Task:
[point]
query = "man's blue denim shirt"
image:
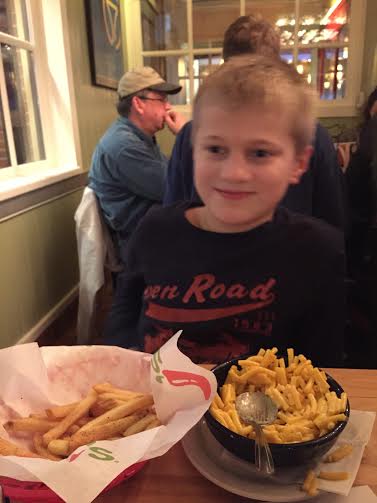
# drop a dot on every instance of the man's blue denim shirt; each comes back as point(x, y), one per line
point(127, 174)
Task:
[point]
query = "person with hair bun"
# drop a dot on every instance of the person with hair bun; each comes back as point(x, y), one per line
point(361, 241)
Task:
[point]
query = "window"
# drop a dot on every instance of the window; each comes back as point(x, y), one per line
point(20, 126)
point(30, 113)
point(182, 39)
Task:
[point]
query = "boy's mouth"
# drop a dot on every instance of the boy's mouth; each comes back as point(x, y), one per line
point(234, 194)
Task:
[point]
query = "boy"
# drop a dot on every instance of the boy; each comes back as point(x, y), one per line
point(239, 273)
point(320, 192)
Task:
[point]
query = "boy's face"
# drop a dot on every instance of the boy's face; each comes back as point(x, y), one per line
point(244, 161)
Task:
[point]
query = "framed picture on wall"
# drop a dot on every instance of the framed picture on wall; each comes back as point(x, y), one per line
point(105, 42)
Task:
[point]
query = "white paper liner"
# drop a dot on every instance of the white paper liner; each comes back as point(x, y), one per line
point(33, 378)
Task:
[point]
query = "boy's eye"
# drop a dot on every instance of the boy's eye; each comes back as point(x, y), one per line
point(215, 149)
point(260, 153)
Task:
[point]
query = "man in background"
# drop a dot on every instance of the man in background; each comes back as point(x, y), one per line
point(320, 192)
point(128, 169)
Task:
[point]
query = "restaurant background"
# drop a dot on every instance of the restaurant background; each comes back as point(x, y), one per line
point(38, 268)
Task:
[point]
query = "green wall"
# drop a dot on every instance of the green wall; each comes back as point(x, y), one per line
point(38, 266)
point(95, 105)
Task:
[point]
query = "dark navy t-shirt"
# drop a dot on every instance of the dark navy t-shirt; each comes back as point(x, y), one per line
point(280, 284)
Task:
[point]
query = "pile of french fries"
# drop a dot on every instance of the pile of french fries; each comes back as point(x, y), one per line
point(106, 413)
point(310, 485)
point(307, 407)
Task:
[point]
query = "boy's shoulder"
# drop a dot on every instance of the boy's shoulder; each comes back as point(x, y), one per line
point(162, 218)
point(163, 214)
point(310, 231)
point(157, 228)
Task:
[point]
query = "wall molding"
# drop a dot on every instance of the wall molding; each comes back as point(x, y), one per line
point(29, 200)
point(33, 334)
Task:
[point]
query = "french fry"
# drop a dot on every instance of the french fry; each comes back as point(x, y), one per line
point(81, 409)
point(109, 403)
point(39, 416)
point(73, 429)
point(119, 395)
point(333, 475)
point(156, 422)
point(60, 411)
point(62, 428)
point(41, 449)
point(59, 447)
point(128, 408)
point(313, 487)
point(97, 410)
point(29, 424)
point(339, 453)
point(308, 480)
point(102, 387)
point(83, 420)
point(102, 431)
point(9, 449)
point(140, 425)
point(109, 388)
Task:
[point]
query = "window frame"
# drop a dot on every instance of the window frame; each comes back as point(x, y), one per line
point(54, 82)
point(345, 107)
point(15, 168)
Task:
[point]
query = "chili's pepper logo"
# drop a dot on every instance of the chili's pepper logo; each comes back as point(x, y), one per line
point(156, 361)
point(99, 453)
point(179, 378)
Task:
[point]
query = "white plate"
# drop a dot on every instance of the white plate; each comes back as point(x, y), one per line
point(237, 476)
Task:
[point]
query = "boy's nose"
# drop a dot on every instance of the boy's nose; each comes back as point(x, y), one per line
point(236, 169)
point(167, 106)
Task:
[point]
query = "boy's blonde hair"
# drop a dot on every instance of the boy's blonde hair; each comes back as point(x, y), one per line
point(263, 81)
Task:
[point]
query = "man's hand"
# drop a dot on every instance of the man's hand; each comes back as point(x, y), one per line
point(174, 121)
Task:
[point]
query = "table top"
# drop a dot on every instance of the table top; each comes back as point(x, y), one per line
point(171, 477)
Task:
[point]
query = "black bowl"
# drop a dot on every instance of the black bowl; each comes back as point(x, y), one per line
point(284, 454)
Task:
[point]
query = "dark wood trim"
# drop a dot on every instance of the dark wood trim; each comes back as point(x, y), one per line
point(42, 195)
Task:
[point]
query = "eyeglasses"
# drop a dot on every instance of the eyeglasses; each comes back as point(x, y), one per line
point(163, 100)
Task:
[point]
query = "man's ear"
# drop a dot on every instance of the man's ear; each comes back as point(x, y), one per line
point(301, 164)
point(138, 105)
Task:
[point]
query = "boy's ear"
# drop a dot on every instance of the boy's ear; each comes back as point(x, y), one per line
point(302, 161)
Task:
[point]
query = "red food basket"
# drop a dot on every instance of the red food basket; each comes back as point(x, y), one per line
point(37, 492)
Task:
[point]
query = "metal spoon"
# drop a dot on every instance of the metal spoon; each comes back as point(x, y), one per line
point(258, 409)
